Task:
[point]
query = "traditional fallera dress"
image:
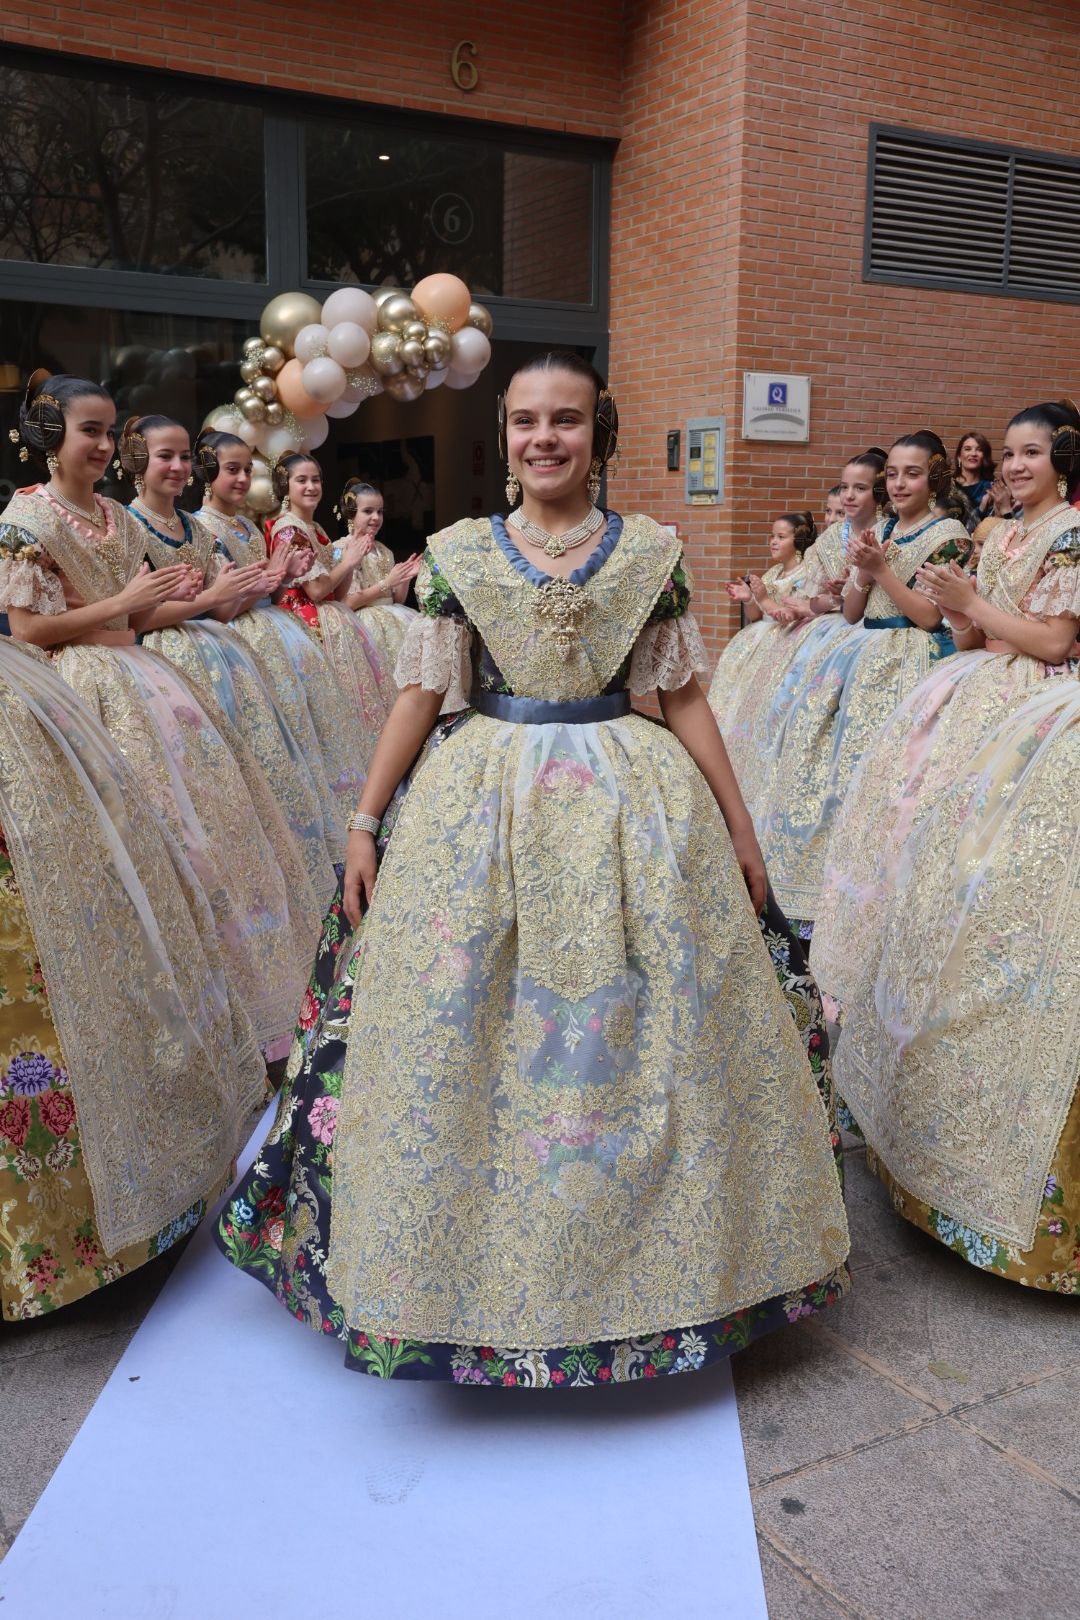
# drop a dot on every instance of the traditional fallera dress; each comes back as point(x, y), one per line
point(748, 661)
point(840, 698)
point(954, 865)
point(755, 723)
point(303, 677)
point(549, 1120)
point(386, 621)
point(126, 1075)
point(223, 669)
point(176, 744)
point(365, 680)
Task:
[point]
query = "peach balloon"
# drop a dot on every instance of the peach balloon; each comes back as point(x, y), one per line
point(293, 395)
point(443, 300)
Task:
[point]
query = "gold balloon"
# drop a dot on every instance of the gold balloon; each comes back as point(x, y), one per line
point(263, 388)
point(254, 409)
point(404, 388)
point(396, 313)
point(242, 394)
point(285, 315)
point(383, 293)
point(437, 349)
point(272, 360)
point(414, 331)
point(252, 347)
point(386, 354)
point(249, 370)
point(260, 496)
point(275, 412)
point(412, 352)
point(481, 319)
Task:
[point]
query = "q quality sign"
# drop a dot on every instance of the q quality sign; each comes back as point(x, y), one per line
point(776, 407)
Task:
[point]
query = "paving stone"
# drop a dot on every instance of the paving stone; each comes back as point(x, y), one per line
point(98, 1315)
point(935, 1525)
point(1040, 1423)
point(878, 1233)
point(45, 1399)
point(802, 1398)
point(983, 1335)
point(792, 1596)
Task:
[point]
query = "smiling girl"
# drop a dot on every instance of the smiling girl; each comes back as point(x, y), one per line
point(948, 925)
point(847, 690)
point(379, 585)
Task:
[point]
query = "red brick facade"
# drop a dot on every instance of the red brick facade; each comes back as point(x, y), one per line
point(738, 197)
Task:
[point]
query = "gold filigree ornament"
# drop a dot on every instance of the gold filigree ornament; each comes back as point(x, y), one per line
point(560, 609)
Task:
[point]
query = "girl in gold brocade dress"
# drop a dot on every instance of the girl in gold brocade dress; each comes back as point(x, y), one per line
point(757, 724)
point(848, 690)
point(573, 1136)
point(303, 677)
point(379, 585)
point(196, 636)
point(950, 924)
point(747, 659)
point(126, 1076)
point(73, 579)
point(317, 597)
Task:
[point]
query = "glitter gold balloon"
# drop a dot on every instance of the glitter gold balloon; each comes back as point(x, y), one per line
point(386, 354)
point(285, 315)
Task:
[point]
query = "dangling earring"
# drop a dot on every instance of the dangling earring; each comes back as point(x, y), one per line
point(513, 488)
point(285, 507)
point(140, 485)
point(191, 480)
point(592, 483)
point(1063, 487)
point(53, 464)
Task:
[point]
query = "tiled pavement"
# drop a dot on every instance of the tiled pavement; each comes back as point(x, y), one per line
point(913, 1455)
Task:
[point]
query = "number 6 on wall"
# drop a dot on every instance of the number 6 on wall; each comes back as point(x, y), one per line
point(463, 69)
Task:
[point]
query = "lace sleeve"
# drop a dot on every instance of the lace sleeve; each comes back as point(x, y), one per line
point(436, 655)
point(1057, 593)
point(26, 577)
point(666, 654)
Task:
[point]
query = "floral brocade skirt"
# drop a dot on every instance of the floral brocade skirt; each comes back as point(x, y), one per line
point(276, 1226)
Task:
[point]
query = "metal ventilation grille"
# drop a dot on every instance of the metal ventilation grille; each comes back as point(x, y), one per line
point(989, 219)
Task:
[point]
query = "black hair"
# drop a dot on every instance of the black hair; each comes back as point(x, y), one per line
point(803, 527)
point(954, 503)
point(563, 360)
point(834, 492)
point(938, 469)
point(352, 493)
point(283, 470)
point(988, 466)
point(206, 452)
point(42, 425)
point(1061, 419)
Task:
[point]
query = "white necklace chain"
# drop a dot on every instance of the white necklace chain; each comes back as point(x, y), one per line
point(173, 522)
point(93, 516)
point(554, 545)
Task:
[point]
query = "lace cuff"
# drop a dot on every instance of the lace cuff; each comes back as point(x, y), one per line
point(24, 583)
point(666, 654)
point(435, 655)
point(1058, 592)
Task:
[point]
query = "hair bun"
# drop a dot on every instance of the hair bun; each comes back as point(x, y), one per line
point(132, 449)
point(1071, 406)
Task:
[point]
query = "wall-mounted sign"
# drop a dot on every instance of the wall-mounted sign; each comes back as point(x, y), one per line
point(463, 68)
point(776, 406)
point(705, 461)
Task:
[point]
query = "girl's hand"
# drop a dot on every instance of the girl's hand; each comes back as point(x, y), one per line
point(298, 562)
point(1000, 499)
point(402, 573)
point(949, 588)
point(738, 590)
point(147, 589)
point(748, 854)
point(865, 553)
point(356, 547)
point(360, 869)
point(364, 540)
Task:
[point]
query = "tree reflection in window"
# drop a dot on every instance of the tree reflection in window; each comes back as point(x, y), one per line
point(129, 177)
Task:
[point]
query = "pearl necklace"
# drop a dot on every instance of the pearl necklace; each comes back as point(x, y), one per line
point(93, 516)
point(554, 545)
point(173, 522)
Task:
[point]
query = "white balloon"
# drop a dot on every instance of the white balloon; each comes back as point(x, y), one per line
point(315, 432)
point(469, 350)
point(367, 384)
point(324, 379)
point(310, 341)
point(342, 407)
point(248, 431)
point(275, 442)
point(461, 379)
point(348, 343)
point(435, 379)
point(351, 304)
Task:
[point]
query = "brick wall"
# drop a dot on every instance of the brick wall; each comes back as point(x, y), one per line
point(555, 67)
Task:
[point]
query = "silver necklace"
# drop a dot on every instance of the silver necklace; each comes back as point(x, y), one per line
point(554, 545)
point(93, 516)
point(173, 522)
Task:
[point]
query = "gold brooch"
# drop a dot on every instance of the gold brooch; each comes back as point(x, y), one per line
point(560, 608)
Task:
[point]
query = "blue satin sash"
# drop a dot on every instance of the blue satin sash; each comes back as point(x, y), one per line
point(523, 711)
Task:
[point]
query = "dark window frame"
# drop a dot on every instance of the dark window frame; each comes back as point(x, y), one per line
point(960, 143)
point(284, 113)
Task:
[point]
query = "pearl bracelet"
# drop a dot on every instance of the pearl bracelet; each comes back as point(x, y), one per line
point(358, 822)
